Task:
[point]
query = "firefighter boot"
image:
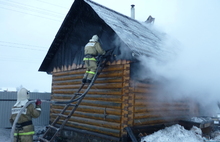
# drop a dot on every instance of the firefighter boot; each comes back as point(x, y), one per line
point(84, 80)
point(88, 80)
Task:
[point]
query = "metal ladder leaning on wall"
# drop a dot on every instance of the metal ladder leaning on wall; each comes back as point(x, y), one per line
point(77, 97)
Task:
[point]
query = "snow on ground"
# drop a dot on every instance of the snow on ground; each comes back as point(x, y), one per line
point(175, 133)
point(5, 133)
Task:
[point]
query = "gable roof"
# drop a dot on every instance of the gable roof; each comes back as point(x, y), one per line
point(122, 33)
point(136, 35)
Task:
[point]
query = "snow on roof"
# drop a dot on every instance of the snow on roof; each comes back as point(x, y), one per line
point(139, 37)
point(8, 89)
point(133, 37)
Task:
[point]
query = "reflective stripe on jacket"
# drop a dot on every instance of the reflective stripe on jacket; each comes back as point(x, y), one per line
point(90, 59)
point(92, 72)
point(24, 133)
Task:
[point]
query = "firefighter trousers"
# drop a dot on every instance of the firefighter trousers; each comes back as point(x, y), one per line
point(91, 66)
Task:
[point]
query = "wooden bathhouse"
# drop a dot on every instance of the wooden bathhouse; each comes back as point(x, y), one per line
point(120, 97)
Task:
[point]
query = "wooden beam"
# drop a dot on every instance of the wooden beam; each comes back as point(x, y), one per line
point(92, 109)
point(110, 118)
point(157, 103)
point(156, 114)
point(151, 121)
point(112, 98)
point(79, 81)
point(64, 78)
point(97, 86)
point(92, 91)
point(102, 130)
point(148, 109)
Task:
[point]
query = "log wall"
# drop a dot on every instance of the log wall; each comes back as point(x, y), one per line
point(152, 107)
point(114, 101)
point(102, 109)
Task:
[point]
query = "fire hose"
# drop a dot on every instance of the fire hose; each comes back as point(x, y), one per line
point(54, 102)
point(19, 114)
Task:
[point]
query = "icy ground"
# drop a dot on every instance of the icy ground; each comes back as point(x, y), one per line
point(5, 133)
point(175, 133)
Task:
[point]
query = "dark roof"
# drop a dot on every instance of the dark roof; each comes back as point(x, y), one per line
point(136, 35)
point(115, 30)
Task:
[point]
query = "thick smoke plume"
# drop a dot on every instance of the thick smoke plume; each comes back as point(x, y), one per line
point(194, 71)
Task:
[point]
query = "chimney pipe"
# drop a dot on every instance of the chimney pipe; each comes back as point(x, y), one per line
point(132, 11)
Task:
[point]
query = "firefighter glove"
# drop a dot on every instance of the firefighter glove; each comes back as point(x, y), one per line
point(38, 102)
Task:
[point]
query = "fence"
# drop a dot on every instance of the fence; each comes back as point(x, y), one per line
point(8, 99)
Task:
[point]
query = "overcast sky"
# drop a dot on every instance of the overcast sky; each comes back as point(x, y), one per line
point(28, 28)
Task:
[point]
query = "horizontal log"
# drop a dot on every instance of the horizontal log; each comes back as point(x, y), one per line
point(111, 74)
point(106, 117)
point(91, 109)
point(82, 71)
point(147, 129)
point(57, 87)
point(96, 86)
point(146, 115)
point(139, 109)
point(151, 121)
point(97, 103)
point(158, 103)
point(106, 75)
point(113, 68)
point(67, 82)
point(144, 96)
point(110, 101)
point(144, 90)
point(115, 98)
point(79, 81)
point(108, 131)
point(156, 114)
point(89, 133)
point(102, 104)
point(143, 85)
point(66, 73)
point(69, 77)
point(80, 76)
point(91, 91)
point(101, 130)
point(99, 123)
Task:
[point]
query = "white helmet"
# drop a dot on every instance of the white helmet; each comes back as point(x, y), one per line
point(94, 38)
point(22, 97)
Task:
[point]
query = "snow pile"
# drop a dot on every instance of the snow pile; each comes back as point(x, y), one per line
point(5, 135)
point(216, 136)
point(200, 119)
point(175, 133)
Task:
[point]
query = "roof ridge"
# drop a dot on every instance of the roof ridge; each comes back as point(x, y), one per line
point(91, 1)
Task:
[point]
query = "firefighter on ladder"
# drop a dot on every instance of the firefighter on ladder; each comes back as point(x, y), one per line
point(92, 49)
point(24, 130)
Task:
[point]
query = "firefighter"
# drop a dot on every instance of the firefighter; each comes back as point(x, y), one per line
point(92, 49)
point(24, 130)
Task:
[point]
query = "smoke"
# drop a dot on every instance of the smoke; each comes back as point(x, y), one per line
point(194, 70)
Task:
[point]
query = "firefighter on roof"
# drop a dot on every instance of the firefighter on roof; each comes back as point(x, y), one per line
point(24, 130)
point(92, 49)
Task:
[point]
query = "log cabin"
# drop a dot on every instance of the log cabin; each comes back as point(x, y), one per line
point(120, 97)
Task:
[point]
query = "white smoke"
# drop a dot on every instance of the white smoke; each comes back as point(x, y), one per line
point(195, 70)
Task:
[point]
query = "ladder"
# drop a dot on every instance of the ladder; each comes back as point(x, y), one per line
point(76, 99)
